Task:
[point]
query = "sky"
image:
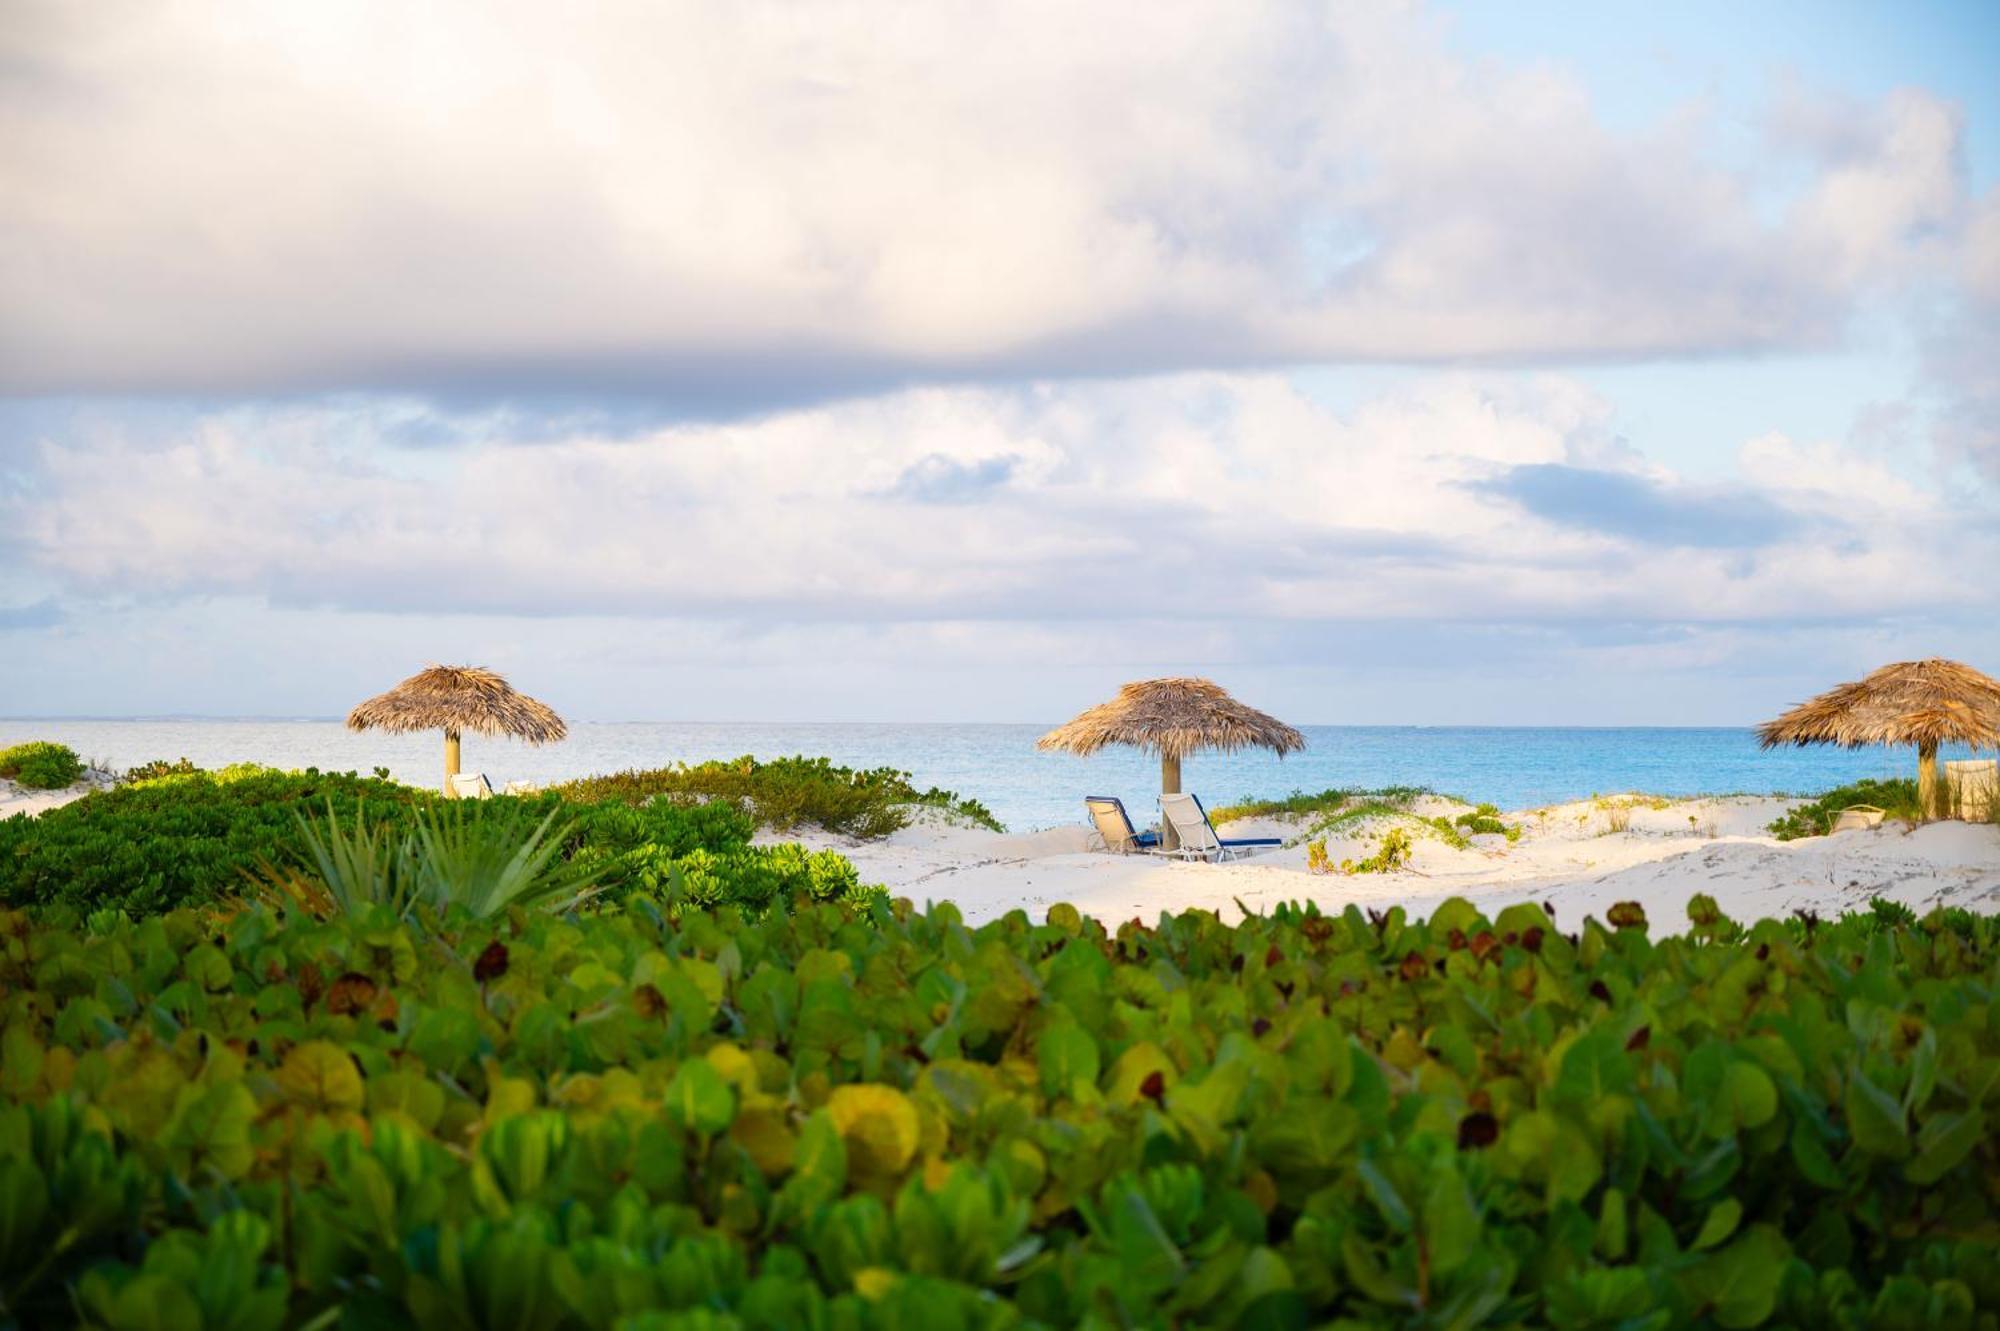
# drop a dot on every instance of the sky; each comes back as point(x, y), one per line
point(1399, 363)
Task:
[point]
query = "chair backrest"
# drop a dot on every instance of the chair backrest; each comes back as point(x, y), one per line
point(471, 785)
point(1107, 813)
point(1190, 822)
point(1857, 815)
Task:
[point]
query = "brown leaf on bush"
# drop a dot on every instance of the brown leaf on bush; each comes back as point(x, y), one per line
point(351, 993)
point(1531, 938)
point(311, 983)
point(1477, 1131)
point(492, 963)
point(1484, 944)
point(1640, 1038)
point(1414, 966)
point(649, 1002)
point(1154, 1087)
point(1627, 915)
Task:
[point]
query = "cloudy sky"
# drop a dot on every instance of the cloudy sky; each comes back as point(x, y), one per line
point(1390, 362)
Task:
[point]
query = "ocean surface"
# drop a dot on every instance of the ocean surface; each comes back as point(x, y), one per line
point(1515, 768)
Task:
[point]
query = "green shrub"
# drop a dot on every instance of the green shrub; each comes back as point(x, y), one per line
point(788, 793)
point(882, 1118)
point(40, 765)
point(157, 768)
point(189, 837)
point(1390, 855)
point(1333, 805)
point(1895, 797)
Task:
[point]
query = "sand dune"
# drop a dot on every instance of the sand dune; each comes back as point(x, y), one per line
point(1568, 855)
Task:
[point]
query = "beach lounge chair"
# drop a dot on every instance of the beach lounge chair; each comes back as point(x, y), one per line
point(1114, 825)
point(1197, 835)
point(471, 786)
point(1856, 815)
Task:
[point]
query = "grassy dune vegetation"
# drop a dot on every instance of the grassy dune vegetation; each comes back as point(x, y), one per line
point(40, 765)
point(298, 1050)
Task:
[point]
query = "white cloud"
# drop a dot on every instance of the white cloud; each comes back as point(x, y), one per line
point(1201, 498)
point(759, 202)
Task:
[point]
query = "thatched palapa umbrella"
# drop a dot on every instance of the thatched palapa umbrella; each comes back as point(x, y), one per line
point(1173, 718)
point(1925, 703)
point(456, 699)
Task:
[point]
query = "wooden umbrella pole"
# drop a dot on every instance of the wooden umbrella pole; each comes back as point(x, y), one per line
point(1927, 782)
point(1170, 784)
point(450, 760)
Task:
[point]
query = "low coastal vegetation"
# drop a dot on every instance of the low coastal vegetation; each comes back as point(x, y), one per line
point(190, 837)
point(788, 793)
point(1334, 803)
point(40, 765)
point(1896, 798)
point(639, 1115)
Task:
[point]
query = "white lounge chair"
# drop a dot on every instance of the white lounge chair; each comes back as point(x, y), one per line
point(471, 786)
point(1114, 826)
point(1198, 840)
point(1856, 816)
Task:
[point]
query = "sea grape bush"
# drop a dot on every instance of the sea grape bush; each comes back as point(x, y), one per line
point(175, 840)
point(881, 1117)
point(41, 765)
point(787, 793)
point(191, 837)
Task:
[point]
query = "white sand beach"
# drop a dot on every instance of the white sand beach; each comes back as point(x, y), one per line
point(16, 798)
point(1568, 855)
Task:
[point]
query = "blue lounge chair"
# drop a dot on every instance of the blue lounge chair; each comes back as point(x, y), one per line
point(1198, 840)
point(1114, 825)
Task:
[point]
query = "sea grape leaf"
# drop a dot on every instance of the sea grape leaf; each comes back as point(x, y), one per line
point(699, 1099)
point(1943, 1142)
point(1133, 1069)
point(212, 1128)
point(1067, 1056)
point(1738, 1285)
point(1594, 1067)
point(320, 1076)
point(879, 1126)
point(1720, 1223)
point(20, 1063)
point(1875, 1118)
point(1450, 1223)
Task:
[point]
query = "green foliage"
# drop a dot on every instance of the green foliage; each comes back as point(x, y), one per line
point(842, 1118)
point(1336, 804)
point(157, 768)
point(41, 765)
point(787, 793)
point(177, 840)
point(1486, 819)
point(1897, 798)
point(485, 856)
point(185, 838)
point(1390, 855)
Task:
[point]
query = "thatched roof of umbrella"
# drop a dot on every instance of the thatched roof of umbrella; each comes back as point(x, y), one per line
point(457, 699)
point(1925, 703)
point(1173, 718)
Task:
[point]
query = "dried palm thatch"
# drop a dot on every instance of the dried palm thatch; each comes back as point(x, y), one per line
point(1173, 718)
point(1925, 703)
point(456, 699)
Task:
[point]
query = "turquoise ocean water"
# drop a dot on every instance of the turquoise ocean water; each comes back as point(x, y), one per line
point(999, 764)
